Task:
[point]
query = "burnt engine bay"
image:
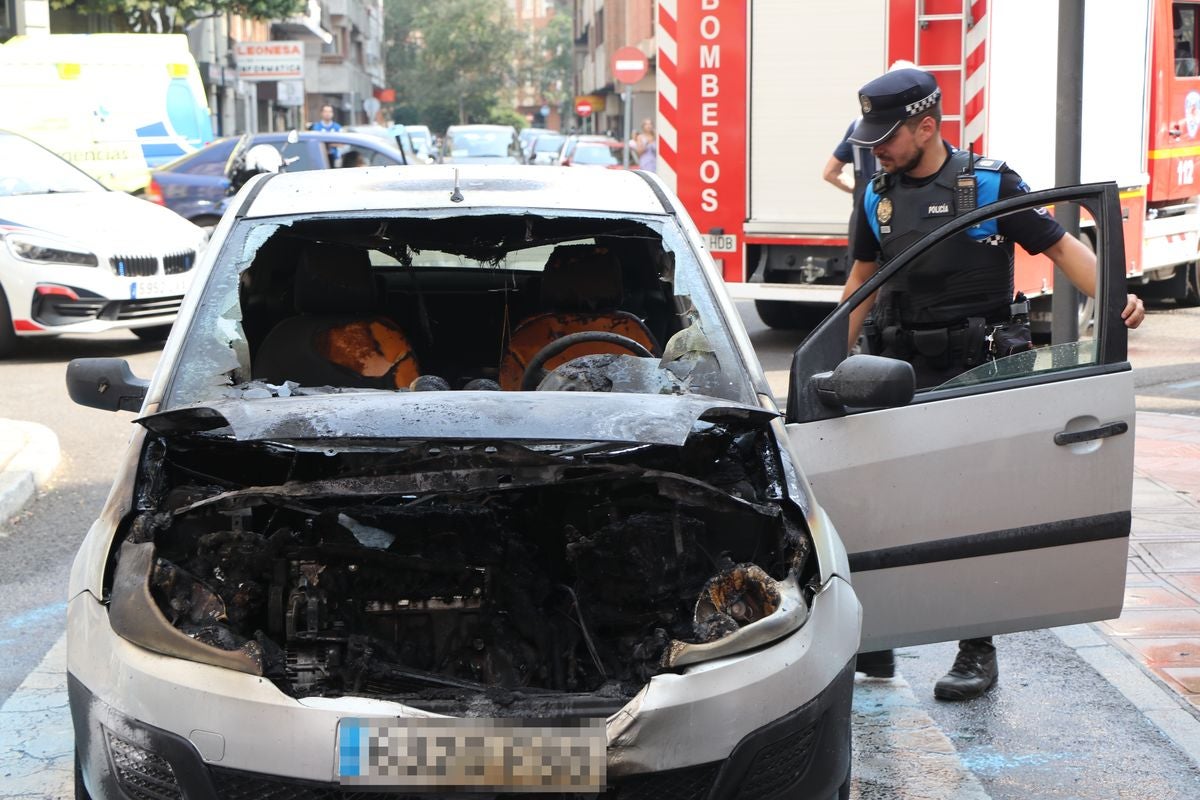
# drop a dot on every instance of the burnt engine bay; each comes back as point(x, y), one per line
point(469, 578)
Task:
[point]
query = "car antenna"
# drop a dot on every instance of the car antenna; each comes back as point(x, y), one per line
point(456, 196)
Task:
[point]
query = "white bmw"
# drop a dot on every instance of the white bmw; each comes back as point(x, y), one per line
point(78, 258)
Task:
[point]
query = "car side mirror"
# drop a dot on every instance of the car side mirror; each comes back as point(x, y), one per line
point(105, 383)
point(863, 381)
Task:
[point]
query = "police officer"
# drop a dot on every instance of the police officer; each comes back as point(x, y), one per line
point(864, 169)
point(937, 314)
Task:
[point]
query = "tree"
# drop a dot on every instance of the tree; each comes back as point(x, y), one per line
point(551, 63)
point(167, 16)
point(450, 61)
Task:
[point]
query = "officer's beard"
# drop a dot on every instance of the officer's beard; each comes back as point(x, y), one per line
point(912, 163)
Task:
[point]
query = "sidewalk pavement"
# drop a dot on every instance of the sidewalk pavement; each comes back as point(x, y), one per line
point(28, 455)
point(1159, 628)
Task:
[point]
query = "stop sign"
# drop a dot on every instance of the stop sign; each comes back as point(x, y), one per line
point(629, 65)
point(583, 108)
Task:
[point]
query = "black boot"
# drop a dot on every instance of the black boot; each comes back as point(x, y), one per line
point(973, 673)
point(876, 664)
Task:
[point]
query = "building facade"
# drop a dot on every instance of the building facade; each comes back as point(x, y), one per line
point(601, 28)
point(23, 17)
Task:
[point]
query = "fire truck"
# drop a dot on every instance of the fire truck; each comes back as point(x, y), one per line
point(753, 96)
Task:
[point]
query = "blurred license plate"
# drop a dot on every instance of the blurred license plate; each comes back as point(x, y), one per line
point(157, 287)
point(473, 754)
point(722, 243)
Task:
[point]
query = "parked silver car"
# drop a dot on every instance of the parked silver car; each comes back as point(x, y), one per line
point(469, 478)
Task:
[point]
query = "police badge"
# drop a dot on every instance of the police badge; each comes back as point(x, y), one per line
point(866, 103)
point(883, 212)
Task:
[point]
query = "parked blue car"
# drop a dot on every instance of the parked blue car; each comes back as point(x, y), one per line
point(196, 185)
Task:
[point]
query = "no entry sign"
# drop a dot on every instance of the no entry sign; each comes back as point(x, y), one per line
point(629, 65)
point(583, 108)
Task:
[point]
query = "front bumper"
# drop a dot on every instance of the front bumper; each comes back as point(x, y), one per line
point(150, 726)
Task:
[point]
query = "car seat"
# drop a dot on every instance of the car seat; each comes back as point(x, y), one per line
point(581, 290)
point(336, 337)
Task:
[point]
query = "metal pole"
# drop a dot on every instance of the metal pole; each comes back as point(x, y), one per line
point(628, 121)
point(1067, 145)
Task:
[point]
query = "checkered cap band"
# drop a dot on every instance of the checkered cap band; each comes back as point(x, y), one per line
point(912, 109)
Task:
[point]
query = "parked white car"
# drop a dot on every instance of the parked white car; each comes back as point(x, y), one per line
point(78, 258)
point(472, 471)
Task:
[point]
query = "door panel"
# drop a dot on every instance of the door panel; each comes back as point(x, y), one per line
point(997, 501)
point(927, 486)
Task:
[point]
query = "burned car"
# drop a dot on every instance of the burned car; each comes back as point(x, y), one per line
point(463, 480)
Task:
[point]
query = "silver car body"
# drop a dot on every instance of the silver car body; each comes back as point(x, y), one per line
point(697, 713)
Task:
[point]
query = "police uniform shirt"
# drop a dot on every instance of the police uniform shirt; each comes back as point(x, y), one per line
point(1033, 230)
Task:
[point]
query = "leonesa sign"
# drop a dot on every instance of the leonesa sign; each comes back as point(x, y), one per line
point(269, 61)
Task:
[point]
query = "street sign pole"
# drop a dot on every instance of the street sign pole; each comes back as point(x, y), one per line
point(629, 66)
point(628, 121)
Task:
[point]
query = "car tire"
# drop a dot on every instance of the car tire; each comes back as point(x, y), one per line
point(8, 336)
point(1191, 290)
point(157, 333)
point(208, 223)
point(786, 316)
point(81, 792)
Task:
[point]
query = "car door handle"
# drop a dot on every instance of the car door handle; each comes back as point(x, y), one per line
point(1103, 432)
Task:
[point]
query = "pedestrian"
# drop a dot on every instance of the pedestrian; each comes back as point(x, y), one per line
point(326, 123)
point(864, 168)
point(939, 314)
point(645, 146)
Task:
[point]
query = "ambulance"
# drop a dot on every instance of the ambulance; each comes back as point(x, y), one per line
point(754, 96)
point(112, 104)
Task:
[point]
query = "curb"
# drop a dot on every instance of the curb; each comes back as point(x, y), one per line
point(29, 454)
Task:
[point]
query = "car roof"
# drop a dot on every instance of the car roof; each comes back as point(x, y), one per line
point(481, 127)
point(503, 188)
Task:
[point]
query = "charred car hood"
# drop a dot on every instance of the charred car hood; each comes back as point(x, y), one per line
point(524, 416)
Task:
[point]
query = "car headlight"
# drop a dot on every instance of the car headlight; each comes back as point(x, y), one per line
point(739, 609)
point(48, 251)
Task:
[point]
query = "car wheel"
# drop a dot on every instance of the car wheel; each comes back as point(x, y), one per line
point(8, 336)
point(785, 316)
point(208, 224)
point(81, 792)
point(158, 333)
point(1191, 292)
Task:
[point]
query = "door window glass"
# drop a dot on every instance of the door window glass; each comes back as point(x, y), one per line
point(1183, 17)
point(955, 314)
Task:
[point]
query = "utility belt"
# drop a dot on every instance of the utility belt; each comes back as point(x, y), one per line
point(968, 343)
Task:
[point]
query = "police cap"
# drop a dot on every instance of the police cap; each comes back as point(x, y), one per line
point(889, 100)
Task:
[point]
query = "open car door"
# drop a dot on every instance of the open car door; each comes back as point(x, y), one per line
point(997, 502)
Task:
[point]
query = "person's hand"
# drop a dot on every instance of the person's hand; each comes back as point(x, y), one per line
point(1134, 311)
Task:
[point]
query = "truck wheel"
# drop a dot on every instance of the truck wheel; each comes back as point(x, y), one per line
point(785, 316)
point(1191, 293)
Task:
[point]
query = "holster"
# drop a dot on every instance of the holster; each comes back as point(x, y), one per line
point(974, 344)
point(1012, 337)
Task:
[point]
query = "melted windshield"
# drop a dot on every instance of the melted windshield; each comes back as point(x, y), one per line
point(476, 302)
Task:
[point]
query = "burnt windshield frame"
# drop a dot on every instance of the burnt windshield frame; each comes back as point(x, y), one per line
point(215, 353)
